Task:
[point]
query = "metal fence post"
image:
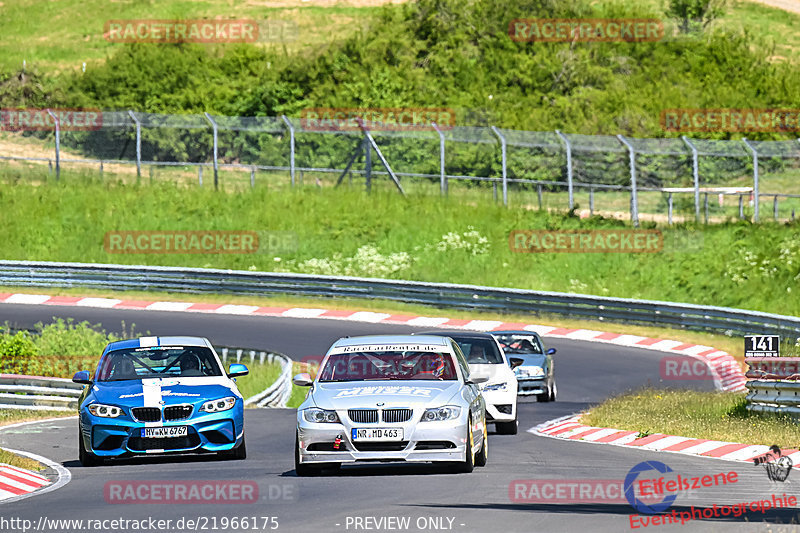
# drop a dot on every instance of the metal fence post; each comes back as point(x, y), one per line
point(368, 163)
point(504, 163)
point(291, 146)
point(634, 200)
point(568, 147)
point(138, 145)
point(216, 168)
point(58, 144)
point(442, 175)
point(755, 179)
point(695, 177)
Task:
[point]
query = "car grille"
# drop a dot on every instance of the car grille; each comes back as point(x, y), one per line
point(363, 416)
point(147, 414)
point(380, 446)
point(177, 412)
point(140, 444)
point(396, 415)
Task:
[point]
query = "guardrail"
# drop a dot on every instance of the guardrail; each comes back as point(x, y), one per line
point(445, 295)
point(58, 394)
point(277, 394)
point(773, 385)
point(40, 393)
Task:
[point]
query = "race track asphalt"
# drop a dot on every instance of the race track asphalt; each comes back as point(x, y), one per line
point(431, 498)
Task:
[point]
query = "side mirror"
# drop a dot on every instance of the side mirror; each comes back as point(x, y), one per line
point(82, 377)
point(515, 362)
point(477, 379)
point(237, 369)
point(303, 380)
point(550, 351)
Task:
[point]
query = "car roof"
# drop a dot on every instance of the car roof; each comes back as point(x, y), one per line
point(458, 333)
point(144, 342)
point(391, 339)
point(515, 332)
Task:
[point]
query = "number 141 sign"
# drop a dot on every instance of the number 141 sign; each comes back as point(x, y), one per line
point(762, 346)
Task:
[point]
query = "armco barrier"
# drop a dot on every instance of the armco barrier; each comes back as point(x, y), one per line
point(444, 295)
point(38, 393)
point(58, 394)
point(772, 385)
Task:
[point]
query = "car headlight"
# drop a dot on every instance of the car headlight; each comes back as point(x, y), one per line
point(215, 406)
point(106, 411)
point(320, 416)
point(438, 414)
point(494, 386)
point(530, 371)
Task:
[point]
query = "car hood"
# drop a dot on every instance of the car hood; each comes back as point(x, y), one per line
point(170, 391)
point(351, 394)
point(531, 359)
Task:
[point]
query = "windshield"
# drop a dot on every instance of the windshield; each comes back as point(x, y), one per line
point(519, 343)
point(480, 351)
point(385, 365)
point(157, 362)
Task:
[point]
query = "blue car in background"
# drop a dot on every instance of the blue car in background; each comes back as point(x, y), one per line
point(533, 363)
point(160, 395)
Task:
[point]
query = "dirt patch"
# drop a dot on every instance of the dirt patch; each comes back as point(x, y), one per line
point(792, 6)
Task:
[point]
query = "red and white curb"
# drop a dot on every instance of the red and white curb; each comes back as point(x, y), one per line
point(570, 428)
point(18, 481)
point(727, 373)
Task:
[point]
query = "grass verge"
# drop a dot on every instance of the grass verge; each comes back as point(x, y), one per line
point(13, 416)
point(707, 415)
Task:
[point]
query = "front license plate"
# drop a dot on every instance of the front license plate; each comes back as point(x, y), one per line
point(377, 434)
point(158, 433)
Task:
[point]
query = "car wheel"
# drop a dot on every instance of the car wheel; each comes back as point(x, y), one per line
point(553, 391)
point(483, 456)
point(300, 469)
point(508, 428)
point(238, 453)
point(86, 458)
point(468, 464)
point(546, 395)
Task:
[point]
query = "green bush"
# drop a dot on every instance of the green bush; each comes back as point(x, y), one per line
point(64, 337)
point(15, 350)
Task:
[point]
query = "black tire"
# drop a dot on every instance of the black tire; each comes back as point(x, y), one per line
point(468, 464)
point(508, 428)
point(483, 455)
point(87, 458)
point(300, 469)
point(553, 391)
point(546, 395)
point(237, 454)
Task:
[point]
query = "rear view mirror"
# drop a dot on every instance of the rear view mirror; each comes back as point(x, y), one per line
point(302, 380)
point(82, 377)
point(477, 379)
point(551, 351)
point(237, 369)
point(515, 362)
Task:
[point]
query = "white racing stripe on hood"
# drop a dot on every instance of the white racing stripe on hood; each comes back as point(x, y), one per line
point(151, 397)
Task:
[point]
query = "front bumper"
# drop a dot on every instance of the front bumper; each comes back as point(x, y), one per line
point(212, 432)
point(529, 386)
point(422, 442)
point(501, 406)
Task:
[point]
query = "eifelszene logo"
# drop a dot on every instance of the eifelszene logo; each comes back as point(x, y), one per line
point(778, 466)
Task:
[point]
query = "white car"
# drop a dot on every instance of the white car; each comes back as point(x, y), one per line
point(485, 356)
point(391, 398)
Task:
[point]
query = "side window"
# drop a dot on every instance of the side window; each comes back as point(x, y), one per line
point(462, 361)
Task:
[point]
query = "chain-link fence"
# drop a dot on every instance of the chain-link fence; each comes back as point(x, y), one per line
point(666, 180)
